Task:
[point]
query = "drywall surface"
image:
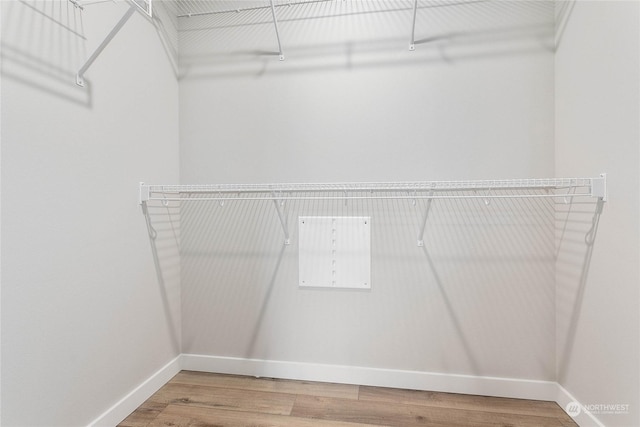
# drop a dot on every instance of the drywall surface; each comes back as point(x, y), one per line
point(85, 318)
point(351, 103)
point(597, 130)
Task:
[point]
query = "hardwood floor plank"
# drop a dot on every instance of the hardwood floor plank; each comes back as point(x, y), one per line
point(183, 416)
point(204, 399)
point(460, 401)
point(343, 391)
point(228, 399)
point(145, 414)
point(140, 418)
point(400, 414)
point(565, 419)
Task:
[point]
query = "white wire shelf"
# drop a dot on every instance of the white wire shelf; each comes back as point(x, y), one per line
point(484, 189)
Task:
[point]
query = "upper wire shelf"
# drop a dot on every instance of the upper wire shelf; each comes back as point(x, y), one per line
point(194, 8)
point(485, 189)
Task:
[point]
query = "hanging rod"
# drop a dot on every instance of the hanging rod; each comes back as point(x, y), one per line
point(482, 189)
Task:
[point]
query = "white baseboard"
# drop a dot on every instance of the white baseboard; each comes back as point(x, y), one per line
point(125, 406)
point(415, 380)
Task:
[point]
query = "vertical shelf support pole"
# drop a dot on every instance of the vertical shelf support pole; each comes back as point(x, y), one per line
point(283, 221)
point(412, 44)
point(424, 221)
point(275, 24)
point(105, 42)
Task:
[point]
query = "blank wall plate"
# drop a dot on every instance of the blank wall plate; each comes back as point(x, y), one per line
point(334, 252)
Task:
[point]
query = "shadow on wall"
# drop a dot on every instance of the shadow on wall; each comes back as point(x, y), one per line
point(45, 43)
point(166, 25)
point(477, 299)
point(491, 266)
point(338, 35)
point(163, 226)
point(577, 227)
point(452, 314)
point(563, 10)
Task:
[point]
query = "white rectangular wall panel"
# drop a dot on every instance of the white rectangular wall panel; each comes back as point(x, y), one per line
point(334, 252)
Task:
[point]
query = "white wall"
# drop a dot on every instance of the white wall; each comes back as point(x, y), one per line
point(351, 103)
point(598, 130)
point(84, 317)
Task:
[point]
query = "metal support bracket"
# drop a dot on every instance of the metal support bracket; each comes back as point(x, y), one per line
point(283, 220)
point(275, 24)
point(424, 221)
point(412, 44)
point(143, 193)
point(599, 187)
point(103, 45)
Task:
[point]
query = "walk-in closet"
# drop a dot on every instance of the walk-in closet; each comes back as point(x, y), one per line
point(319, 213)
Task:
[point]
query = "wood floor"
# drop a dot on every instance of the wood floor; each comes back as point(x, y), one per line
point(204, 399)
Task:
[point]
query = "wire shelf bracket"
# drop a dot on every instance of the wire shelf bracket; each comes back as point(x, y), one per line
point(145, 6)
point(425, 216)
point(283, 221)
point(275, 24)
point(412, 43)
